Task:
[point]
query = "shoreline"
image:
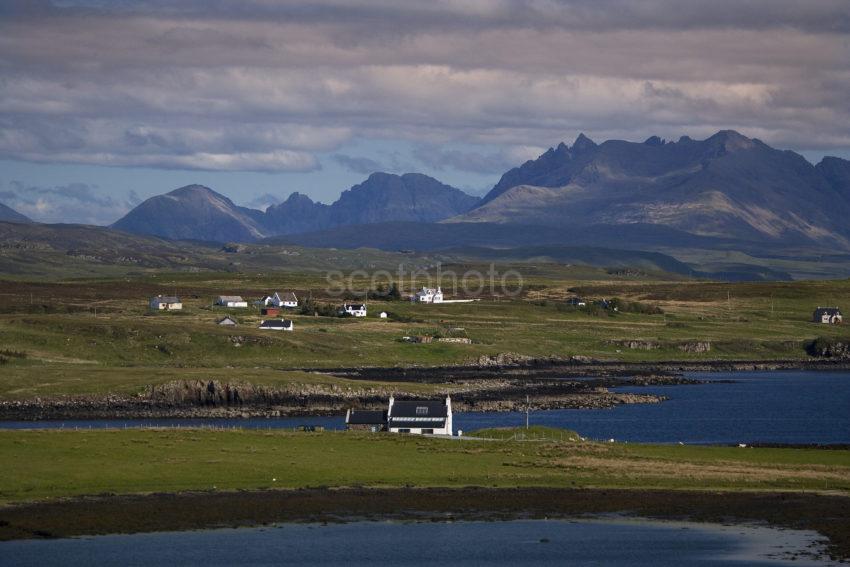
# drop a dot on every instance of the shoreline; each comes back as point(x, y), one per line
point(553, 384)
point(827, 514)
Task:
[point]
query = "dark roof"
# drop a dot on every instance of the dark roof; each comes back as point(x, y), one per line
point(276, 323)
point(166, 299)
point(827, 311)
point(367, 417)
point(408, 408)
point(437, 423)
point(355, 306)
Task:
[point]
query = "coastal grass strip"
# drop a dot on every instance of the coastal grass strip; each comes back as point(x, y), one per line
point(53, 464)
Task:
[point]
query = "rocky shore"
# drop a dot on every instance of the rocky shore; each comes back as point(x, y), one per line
point(513, 365)
point(214, 399)
point(494, 383)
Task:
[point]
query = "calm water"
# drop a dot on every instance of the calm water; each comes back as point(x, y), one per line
point(537, 542)
point(767, 407)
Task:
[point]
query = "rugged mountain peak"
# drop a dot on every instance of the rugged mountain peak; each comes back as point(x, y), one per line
point(731, 140)
point(726, 186)
point(837, 173)
point(583, 143)
point(297, 198)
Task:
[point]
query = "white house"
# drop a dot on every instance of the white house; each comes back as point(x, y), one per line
point(277, 325)
point(166, 303)
point(383, 315)
point(828, 315)
point(286, 299)
point(429, 295)
point(231, 301)
point(354, 309)
point(420, 416)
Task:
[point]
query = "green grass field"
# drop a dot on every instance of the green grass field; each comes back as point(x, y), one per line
point(94, 336)
point(54, 464)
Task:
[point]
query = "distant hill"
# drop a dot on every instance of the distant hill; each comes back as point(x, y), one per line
point(726, 186)
point(193, 212)
point(68, 250)
point(8, 214)
point(199, 213)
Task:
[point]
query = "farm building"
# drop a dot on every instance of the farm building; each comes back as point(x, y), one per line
point(429, 295)
point(366, 420)
point(227, 322)
point(231, 301)
point(354, 309)
point(277, 325)
point(166, 303)
point(383, 315)
point(420, 416)
point(827, 315)
point(270, 311)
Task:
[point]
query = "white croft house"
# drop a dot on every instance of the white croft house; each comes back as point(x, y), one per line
point(354, 309)
point(166, 303)
point(429, 295)
point(286, 299)
point(230, 301)
point(277, 325)
point(827, 315)
point(420, 416)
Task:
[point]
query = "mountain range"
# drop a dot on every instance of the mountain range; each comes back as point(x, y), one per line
point(725, 188)
point(196, 212)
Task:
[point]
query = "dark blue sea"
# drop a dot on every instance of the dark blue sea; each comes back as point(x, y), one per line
point(736, 407)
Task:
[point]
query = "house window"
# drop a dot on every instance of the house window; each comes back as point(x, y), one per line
point(404, 430)
point(428, 431)
point(421, 410)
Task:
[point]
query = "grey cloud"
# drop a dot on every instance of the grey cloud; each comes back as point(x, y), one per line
point(263, 201)
point(475, 162)
point(74, 202)
point(362, 165)
point(264, 86)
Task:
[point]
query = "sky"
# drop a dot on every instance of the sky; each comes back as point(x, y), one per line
point(106, 103)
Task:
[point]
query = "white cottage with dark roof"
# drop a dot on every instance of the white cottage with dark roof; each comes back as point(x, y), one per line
point(354, 309)
point(166, 303)
point(420, 416)
point(277, 325)
point(827, 315)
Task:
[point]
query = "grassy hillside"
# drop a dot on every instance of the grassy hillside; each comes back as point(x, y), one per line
point(98, 335)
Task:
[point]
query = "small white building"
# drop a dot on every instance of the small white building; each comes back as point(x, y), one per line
point(383, 315)
point(429, 295)
point(286, 299)
point(166, 303)
point(277, 325)
point(430, 417)
point(828, 316)
point(354, 309)
point(234, 301)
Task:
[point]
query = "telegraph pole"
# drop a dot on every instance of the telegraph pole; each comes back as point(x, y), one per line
point(526, 411)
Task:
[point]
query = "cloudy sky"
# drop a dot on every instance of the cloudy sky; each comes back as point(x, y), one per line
point(105, 103)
